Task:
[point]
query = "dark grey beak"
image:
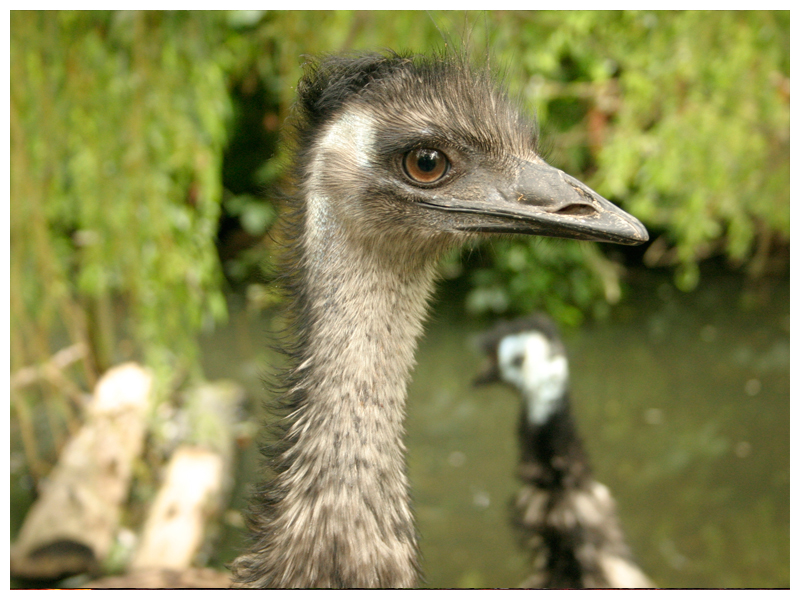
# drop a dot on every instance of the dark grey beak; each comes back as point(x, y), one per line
point(542, 200)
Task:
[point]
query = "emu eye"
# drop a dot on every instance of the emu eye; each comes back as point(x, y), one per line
point(425, 165)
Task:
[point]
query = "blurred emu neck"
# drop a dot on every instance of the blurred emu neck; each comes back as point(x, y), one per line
point(552, 451)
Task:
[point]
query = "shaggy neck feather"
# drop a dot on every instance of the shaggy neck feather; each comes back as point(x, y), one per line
point(342, 517)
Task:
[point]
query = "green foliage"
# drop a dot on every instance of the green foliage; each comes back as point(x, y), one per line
point(701, 144)
point(255, 215)
point(680, 117)
point(118, 124)
point(544, 274)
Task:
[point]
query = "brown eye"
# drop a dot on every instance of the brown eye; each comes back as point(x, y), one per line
point(425, 165)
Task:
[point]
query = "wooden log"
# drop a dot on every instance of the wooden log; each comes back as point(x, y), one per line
point(175, 526)
point(70, 528)
point(165, 579)
point(196, 481)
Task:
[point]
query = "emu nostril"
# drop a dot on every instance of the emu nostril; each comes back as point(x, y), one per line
point(577, 210)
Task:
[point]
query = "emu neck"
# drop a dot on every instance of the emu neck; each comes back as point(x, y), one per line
point(345, 494)
point(552, 452)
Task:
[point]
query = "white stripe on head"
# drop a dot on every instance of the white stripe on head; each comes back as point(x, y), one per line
point(353, 132)
point(350, 138)
point(527, 361)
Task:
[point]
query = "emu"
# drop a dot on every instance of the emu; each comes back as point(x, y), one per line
point(566, 516)
point(398, 159)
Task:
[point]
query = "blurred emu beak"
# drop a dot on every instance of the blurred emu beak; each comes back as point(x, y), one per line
point(490, 373)
point(543, 200)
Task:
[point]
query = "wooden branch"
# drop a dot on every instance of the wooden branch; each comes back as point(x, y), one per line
point(50, 369)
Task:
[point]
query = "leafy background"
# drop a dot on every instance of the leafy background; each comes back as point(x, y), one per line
point(145, 161)
point(138, 138)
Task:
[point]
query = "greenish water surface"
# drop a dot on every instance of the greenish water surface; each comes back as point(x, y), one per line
point(683, 403)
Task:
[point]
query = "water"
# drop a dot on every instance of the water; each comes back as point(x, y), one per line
point(683, 403)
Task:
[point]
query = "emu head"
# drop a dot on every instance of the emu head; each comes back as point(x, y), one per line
point(529, 355)
point(431, 149)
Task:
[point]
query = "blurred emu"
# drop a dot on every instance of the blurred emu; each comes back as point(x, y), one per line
point(567, 517)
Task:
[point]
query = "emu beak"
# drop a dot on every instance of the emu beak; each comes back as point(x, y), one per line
point(543, 200)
